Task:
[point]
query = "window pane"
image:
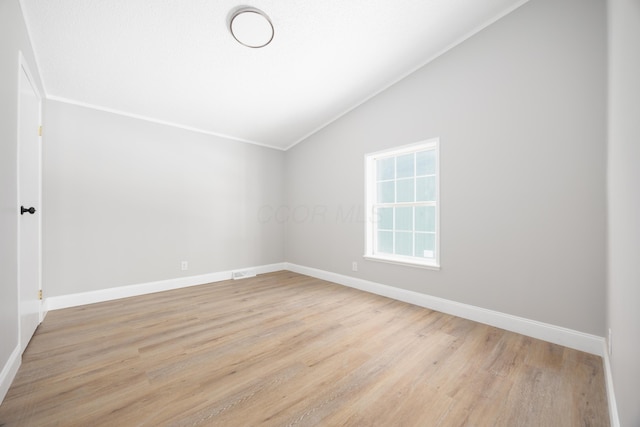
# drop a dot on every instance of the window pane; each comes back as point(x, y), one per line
point(385, 219)
point(404, 219)
point(426, 218)
point(404, 166)
point(386, 192)
point(405, 190)
point(426, 189)
point(425, 245)
point(386, 168)
point(426, 163)
point(385, 242)
point(404, 243)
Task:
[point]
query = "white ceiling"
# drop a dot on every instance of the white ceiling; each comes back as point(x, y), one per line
point(176, 62)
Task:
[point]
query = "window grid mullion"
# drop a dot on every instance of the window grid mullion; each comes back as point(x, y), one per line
point(393, 230)
point(413, 208)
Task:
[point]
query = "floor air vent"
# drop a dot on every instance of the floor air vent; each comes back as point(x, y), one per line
point(243, 274)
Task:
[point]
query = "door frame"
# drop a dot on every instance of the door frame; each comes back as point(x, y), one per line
point(24, 71)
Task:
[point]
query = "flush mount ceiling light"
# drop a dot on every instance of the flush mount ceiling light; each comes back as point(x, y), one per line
point(251, 27)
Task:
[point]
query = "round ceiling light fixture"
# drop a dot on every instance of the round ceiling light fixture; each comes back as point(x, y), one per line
point(251, 27)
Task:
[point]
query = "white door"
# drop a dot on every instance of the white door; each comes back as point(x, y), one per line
point(29, 189)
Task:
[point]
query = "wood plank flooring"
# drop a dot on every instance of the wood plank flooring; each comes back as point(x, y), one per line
point(284, 349)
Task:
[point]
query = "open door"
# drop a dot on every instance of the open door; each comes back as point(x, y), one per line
point(29, 202)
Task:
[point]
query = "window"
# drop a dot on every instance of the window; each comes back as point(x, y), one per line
point(402, 205)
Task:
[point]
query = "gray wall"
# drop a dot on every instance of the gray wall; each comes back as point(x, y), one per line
point(624, 205)
point(125, 201)
point(13, 38)
point(520, 112)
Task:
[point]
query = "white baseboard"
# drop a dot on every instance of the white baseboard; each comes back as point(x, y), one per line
point(73, 300)
point(608, 377)
point(9, 371)
point(555, 334)
point(544, 331)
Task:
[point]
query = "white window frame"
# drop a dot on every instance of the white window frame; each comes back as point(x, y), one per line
point(370, 205)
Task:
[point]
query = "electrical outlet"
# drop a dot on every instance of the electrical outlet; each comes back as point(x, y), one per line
point(610, 342)
point(354, 266)
point(184, 265)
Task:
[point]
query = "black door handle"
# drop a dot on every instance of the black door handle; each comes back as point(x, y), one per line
point(31, 210)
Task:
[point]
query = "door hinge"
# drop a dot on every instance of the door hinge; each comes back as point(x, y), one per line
point(40, 294)
point(39, 130)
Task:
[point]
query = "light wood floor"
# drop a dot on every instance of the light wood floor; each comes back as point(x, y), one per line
point(288, 350)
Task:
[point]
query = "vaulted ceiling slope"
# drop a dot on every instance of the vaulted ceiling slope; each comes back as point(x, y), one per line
point(175, 61)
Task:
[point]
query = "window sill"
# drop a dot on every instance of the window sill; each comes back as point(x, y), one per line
point(400, 261)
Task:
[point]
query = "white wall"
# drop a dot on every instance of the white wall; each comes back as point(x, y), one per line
point(520, 112)
point(13, 38)
point(125, 201)
point(624, 205)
